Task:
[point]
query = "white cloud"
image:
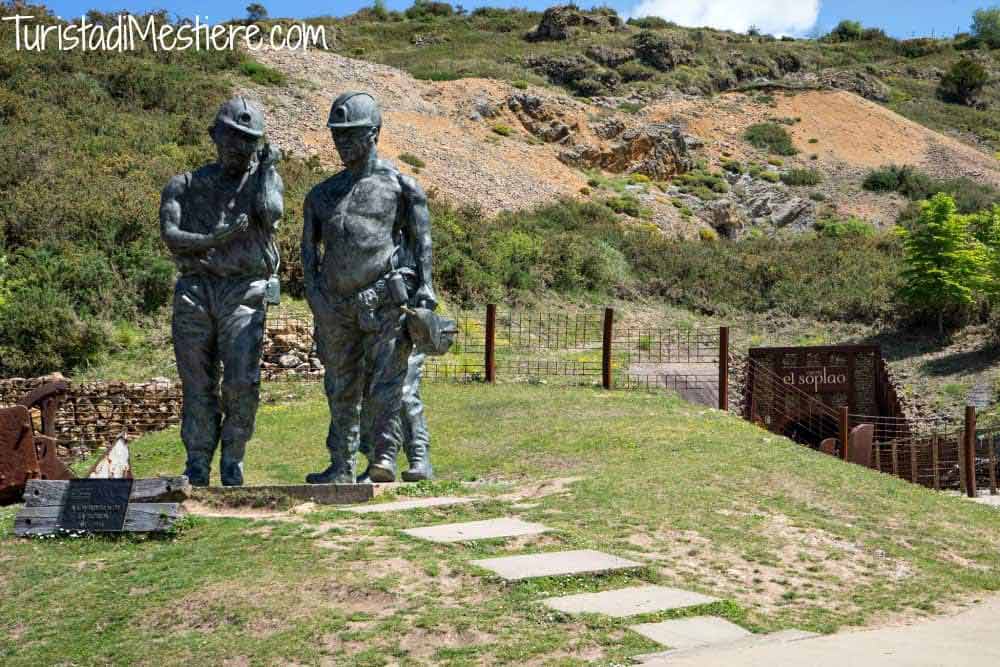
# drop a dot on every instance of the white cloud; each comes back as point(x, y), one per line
point(776, 17)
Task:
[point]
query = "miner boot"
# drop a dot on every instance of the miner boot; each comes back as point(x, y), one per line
point(231, 473)
point(197, 472)
point(365, 477)
point(419, 456)
point(382, 469)
point(332, 475)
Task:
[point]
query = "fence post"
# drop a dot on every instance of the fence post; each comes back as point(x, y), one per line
point(490, 347)
point(845, 427)
point(724, 368)
point(969, 445)
point(609, 319)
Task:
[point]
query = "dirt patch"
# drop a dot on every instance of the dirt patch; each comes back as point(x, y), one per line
point(423, 644)
point(791, 566)
point(541, 489)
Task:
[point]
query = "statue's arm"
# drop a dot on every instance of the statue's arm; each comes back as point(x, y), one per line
point(271, 192)
point(418, 223)
point(312, 236)
point(178, 240)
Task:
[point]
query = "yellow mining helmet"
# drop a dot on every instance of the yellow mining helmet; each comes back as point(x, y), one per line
point(354, 109)
point(242, 115)
point(431, 333)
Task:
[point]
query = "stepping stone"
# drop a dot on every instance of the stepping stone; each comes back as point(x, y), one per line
point(626, 602)
point(667, 658)
point(477, 530)
point(554, 564)
point(402, 505)
point(686, 633)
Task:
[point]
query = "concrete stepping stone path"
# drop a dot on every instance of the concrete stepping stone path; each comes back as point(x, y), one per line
point(626, 602)
point(697, 653)
point(554, 564)
point(687, 633)
point(403, 505)
point(477, 530)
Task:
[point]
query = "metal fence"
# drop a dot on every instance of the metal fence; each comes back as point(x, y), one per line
point(551, 347)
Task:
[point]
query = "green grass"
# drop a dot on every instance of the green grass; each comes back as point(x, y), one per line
point(786, 537)
point(262, 74)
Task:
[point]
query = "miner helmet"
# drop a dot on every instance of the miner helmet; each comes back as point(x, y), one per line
point(354, 109)
point(431, 333)
point(241, 115)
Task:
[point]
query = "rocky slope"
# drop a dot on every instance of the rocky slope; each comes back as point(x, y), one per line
point(493, 145)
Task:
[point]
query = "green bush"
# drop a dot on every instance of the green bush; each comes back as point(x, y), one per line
point(963, 82)
point(262, 74)
point(843, 229)
point(986, 26)
point(425, 10)
point(801, 177)
point(412, 160)
point(650, 22)
point(770, 137)
point(846, 31)
point(503, 130)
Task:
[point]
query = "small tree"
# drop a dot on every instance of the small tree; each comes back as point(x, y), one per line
point(847, 31)
point(256, 12)
point(986, 26)
point(944, 265)
point(963, 82)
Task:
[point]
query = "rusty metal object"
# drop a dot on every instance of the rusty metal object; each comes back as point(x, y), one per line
point(24, 454)
point(859, 449)
point(18, 459)
point(829, 446)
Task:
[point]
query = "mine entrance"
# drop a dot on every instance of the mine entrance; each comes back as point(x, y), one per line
point(800, 392)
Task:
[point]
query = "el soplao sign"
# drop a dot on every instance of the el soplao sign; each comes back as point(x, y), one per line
point(816, 380)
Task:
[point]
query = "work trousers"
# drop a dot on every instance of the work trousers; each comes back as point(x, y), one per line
point(362, 346)
point(218, 322)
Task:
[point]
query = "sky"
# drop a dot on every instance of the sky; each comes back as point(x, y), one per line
point(781, 17)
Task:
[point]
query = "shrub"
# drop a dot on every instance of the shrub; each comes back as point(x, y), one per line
point(649, 22)
point(776, 162)
point(520, 84)
point(503, 130)
point(634, 71)
point(986, 26)
point(708, 235)
point(625, 204)
point(800, 177)
point(424, 10)
point(262, 74)
point(412, 160)
point(770, 137)
point(963, 82)
point(770, 176)
point(841, 229)
point(846, 31)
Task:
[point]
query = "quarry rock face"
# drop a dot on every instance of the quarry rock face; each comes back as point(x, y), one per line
point(657, 150)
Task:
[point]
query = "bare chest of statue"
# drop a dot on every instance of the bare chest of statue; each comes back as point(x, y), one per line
point(358, 223)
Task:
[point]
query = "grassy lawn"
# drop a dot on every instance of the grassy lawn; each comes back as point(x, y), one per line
point(786, 537)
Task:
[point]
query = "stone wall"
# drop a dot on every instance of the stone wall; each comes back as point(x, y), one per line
point(95, 413)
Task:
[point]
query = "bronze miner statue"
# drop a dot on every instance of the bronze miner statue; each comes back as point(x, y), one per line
point(219, 222)
point(366, 254)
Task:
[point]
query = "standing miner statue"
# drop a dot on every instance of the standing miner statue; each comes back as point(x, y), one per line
point(370, 291)
point(219, 223)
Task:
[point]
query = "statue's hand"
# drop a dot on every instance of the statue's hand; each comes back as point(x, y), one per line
point(224, 232)
point(425, 297)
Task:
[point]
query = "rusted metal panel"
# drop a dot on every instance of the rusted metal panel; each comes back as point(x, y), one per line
point(18, 459)
point(860, 449)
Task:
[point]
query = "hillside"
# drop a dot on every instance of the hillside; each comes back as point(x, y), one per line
point(451, 128)
point(703, 500)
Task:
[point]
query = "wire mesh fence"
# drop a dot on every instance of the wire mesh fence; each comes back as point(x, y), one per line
point(550, 347)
